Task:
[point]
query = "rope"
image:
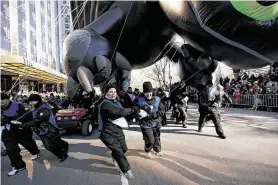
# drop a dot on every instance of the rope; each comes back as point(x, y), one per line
point(74, 22)
point(121, 31)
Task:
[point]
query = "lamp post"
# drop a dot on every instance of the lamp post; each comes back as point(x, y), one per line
point(170, 77)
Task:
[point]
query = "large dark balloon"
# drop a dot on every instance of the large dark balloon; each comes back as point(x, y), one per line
point(243, 34)
point(124, 35)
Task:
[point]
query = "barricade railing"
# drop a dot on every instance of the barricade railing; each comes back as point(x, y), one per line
point(257, 100)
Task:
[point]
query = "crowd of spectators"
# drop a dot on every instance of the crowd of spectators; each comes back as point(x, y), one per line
point(250, 85)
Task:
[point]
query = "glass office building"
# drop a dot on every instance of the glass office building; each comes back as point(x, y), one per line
point(32, 33)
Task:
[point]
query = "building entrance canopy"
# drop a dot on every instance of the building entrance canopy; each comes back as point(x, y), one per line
point(20, 66)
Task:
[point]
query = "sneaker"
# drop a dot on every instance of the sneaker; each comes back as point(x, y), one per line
point(199, 130)
point(15, 171)
point(159, 154)
point(184, 125)
point(223, 136)
point(149, 155)
point(63, 158)
point(129, 175)
point(34, 157)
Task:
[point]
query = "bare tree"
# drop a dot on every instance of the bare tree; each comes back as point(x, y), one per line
point(158, 72)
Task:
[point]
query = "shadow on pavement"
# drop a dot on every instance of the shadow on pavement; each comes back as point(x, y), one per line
point(203, 175)
point(184, 131)
point(82, 156)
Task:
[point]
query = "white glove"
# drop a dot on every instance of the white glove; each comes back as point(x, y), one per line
point(16, 122)
point(151, 107)
point(142, 113)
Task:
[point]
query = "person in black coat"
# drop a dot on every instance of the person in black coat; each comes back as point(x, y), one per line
point(151, 123)
point(181, 109)
point(44, 124)
point(111, 134)
point(209, 99)
point(13, 135)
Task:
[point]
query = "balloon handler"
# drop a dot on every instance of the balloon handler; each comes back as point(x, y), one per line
point(209, 99)
point(45, 126)
point(12, 135)
point(151, 123)
point(112, 134)
point(181, 109)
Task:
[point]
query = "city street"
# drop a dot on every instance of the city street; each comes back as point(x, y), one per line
point(249, 156)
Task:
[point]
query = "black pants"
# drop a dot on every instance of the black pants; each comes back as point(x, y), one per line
point(214, 114)
point(151, 136)
point(164, 119)
point(117, 145)
point(53, 143)
point(11, 139)
point(174, 112)
point(208, 118)
point(181, 114)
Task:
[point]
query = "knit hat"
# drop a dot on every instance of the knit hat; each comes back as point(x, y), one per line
point(4, 96)
point(147, 87)
point(109, 86)
point(209, 82)
point(35, 97)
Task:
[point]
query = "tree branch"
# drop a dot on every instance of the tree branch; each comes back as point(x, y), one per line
point(153, 78)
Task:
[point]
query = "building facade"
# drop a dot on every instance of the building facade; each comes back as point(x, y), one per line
point(33, 31)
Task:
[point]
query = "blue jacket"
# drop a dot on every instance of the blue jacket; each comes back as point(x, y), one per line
point(49, 120)
point(15, 111)
point(154, 118)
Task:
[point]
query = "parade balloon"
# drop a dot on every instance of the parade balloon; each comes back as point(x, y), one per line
point(124, 35)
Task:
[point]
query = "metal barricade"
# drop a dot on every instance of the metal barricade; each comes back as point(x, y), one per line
point(255, 101)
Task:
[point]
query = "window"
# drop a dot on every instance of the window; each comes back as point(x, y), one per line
point(33, 49)
point(33, 14)
point(22, 24)
point(5, 11)
point(32, 3)
point(21, 5)
point(33, 24)
point(22, 44)
point(32, 17)
point(5, 45)
point(22, 52)
point(7, 32)
point(42, 4)
point(34, 57)
point(42, 20)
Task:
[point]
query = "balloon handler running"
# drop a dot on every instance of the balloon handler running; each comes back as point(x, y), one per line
point(45, 126)
point(151, 123)
point(209, 99)
point(12, 135)
point(112, 134)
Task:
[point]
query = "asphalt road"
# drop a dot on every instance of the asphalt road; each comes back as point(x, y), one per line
point(249, 156)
